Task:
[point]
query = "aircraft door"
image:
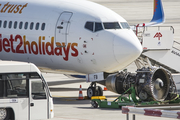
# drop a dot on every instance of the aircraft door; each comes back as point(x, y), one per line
point(62, 29)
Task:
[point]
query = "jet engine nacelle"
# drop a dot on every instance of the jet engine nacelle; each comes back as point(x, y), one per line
point(150, 83)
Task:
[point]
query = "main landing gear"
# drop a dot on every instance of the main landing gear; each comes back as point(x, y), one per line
point(94, 90)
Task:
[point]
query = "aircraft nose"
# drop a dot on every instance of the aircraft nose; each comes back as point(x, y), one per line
point(127, 47)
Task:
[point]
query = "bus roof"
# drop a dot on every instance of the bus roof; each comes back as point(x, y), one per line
point(17, 67)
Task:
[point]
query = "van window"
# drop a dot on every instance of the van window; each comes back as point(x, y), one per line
point(16, 85)
point(38, 89)
point(1, 86)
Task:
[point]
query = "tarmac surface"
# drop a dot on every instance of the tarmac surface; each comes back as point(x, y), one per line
point(67, 107)
point(65, 91)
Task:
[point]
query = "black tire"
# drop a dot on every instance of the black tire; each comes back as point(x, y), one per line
point(90, 92)
point(100, 91)
point(4, 114)
point(94, 104)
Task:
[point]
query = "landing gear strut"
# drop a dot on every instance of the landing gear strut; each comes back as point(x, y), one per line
point(94, 90)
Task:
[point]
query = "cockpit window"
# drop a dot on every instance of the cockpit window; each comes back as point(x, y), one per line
point(89, 26)
point(94, 26)
point(111, 25)
point(125, 25)
point(98, 26)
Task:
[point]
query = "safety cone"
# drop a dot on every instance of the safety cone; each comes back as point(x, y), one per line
point(80, 94)
point(105, 89)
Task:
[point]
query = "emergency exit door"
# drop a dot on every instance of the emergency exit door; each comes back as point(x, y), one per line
point(62, 29)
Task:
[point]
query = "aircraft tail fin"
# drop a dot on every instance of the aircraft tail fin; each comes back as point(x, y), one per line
point(158, 15)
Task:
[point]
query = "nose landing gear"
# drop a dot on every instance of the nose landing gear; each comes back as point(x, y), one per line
point(94, 90)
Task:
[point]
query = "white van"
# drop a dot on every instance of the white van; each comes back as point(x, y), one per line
point(24, 94)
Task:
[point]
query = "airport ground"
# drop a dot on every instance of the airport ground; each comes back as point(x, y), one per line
point(65, 90)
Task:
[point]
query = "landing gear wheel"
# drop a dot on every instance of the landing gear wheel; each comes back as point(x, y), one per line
point(94, 104)
point(4, 114)
point(90, 92)
point(99, 91)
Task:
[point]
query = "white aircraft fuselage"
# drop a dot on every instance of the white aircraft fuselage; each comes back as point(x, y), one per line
point(73, 35)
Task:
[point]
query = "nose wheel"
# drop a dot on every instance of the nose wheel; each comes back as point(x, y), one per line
point(90, 92)
point(94, 90)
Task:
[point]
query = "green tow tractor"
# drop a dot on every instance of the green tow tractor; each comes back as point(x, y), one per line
point(131, 100)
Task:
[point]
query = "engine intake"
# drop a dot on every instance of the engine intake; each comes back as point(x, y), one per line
point(150, 83)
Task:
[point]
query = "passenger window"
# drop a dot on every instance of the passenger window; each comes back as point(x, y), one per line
point(31, 26)
point(0, 23)
point(89, 26)
point(10, 24)
point(43, 26)
point(26, 25)
point(37, 26)
point(5, 24)
point(20, 25)
point(15, 24)
point(98, 26)
point(111, 25)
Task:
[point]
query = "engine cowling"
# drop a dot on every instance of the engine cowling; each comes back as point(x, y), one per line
point(150, 83)
point(120, 82)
